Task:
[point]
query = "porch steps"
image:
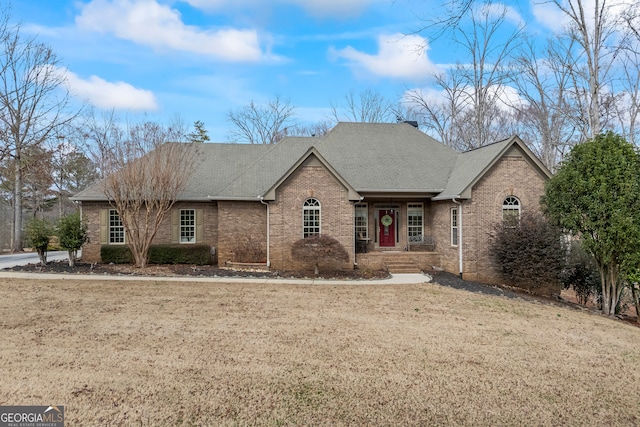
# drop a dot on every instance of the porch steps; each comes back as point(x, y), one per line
point(401, 265)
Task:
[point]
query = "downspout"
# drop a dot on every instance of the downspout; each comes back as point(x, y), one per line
point(459, 203)
point(268, 231)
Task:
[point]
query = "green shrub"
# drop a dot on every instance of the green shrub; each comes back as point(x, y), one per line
point(73, 234)
point(581, 274)
point(38, 233)
point(116, 254)
point(159, 254)
point(180, 254)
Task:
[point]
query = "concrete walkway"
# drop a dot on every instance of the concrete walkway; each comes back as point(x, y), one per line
point(395, 279)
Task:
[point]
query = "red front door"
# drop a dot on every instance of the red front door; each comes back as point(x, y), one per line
point(387, 226)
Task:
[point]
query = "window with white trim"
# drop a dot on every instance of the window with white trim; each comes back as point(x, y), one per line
point(511, 210)
point(187, 226)
point(361, 221)
point(415, 215)
point(310, 217)
point(116, 228)
point(454, 226)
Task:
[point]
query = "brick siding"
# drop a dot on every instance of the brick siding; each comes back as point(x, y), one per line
point(286, 213)
point(91, 214)
point(240, 224)
point(510, 176)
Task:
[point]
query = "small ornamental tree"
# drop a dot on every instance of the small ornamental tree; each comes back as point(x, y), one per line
point(319, 249)
point(595, 195)
point(73, 234)
point(38, 232)
point(530, 253)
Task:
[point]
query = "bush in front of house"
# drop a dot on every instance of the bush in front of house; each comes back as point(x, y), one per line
point(319, 250)
point(180, 254)
point(581, 273)
point(116, 254)
point(159, 254)
point(72, 234)
point(530, 253)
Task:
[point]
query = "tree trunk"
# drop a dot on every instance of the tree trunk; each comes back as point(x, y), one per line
point(635, 293)
point(17, 207)
point(72, 258)
point(42, 254)
point(609, 276)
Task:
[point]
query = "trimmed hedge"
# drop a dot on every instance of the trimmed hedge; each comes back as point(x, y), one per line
point(159, 254)
point(116, 254)
point(180, 254)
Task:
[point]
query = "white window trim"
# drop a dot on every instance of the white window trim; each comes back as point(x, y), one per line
point(366, 219)
point(181, 226)
point(315, 207)
point(511, 204)
point(454, 227)
point(113, 212)
point(411, 206)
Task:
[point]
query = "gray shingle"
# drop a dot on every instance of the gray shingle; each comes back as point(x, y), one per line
point(371, 157)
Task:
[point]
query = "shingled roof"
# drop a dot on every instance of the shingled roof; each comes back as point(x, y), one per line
point(370, 157)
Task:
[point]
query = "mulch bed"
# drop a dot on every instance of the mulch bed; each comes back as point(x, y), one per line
point(165, 270)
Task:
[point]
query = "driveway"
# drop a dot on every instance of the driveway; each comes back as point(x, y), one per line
point(24, 258)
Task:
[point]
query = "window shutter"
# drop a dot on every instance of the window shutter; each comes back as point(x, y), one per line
point(175, 226)
point(104, 226)
point(199, 226)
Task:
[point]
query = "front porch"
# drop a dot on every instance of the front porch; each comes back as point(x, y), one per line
point(396, 261)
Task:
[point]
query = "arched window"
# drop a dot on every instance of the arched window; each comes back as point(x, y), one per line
point(511, 210)
point(310, 217)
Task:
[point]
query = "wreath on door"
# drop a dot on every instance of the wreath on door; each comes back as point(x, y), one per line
point(386, 220)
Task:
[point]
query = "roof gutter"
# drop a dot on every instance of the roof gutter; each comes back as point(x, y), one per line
point(459, 203)
point(268, 230)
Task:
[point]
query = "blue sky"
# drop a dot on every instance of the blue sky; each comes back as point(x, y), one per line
point(201, 58)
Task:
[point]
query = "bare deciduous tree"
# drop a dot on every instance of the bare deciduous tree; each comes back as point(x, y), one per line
point(546, 117)
point(440, 112)
point(145, 175)
point(262, 124)
point(593, 27)
point(472, 109)
point(367, 106)
point(34, 103)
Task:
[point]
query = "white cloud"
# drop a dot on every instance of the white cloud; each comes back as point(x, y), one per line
point(148, 23)
point(320, 8)
point(549, 15)
point(107, 95)
point(399, 56)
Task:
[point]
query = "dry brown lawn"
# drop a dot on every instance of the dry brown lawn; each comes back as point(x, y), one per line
point(163, 354)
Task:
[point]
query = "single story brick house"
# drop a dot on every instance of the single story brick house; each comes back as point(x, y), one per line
point(391, 195)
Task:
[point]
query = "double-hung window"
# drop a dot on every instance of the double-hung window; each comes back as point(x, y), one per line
point(361, 221)
point(187, 226)
point(116, 228)
point(454, 226)
point(415, 223)
point(310, 217)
